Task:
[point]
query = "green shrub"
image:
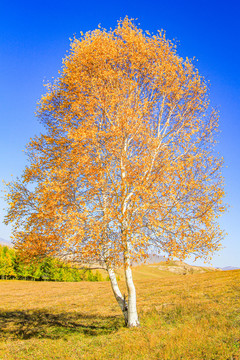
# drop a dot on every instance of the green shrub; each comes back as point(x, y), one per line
point(13, 266)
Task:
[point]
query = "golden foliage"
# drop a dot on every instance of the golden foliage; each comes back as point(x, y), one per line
point(127, 160)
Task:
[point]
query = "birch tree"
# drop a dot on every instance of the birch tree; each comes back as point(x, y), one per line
point(126, 162)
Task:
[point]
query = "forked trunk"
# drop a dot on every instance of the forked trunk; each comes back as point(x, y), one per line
point(118, 295)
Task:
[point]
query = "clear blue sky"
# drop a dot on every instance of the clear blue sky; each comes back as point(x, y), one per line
point(34, 37)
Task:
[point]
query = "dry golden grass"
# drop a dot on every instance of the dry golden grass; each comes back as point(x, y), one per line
point(194, 317)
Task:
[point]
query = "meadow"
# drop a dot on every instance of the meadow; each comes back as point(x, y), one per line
point(190, 317)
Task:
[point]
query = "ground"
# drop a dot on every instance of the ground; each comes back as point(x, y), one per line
point(190, 317)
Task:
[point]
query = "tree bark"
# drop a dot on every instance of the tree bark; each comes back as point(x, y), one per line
point(133, 320)
point(118, 295)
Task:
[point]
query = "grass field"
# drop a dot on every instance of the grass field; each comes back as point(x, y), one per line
point(192, 317)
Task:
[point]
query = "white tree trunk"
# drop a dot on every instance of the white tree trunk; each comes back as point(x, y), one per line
point(132, 303)
point(118, 295)
point(132, 318)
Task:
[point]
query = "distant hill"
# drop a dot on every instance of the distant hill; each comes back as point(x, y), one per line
point(178, 267)
point(5, 242)
point(152, 259)
point(165, 268)
point(181, 268)
point(161, 263)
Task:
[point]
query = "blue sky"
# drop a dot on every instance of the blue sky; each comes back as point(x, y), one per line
point(34, 37)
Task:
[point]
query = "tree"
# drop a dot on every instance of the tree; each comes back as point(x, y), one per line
point(127, 160)
point(7, 258)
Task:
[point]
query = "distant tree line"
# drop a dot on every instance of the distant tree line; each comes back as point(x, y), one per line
point(13, 266)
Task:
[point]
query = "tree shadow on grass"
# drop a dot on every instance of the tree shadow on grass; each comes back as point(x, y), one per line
point(43, 324)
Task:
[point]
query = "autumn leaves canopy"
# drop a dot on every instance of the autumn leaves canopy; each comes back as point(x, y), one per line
point(126, 161)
